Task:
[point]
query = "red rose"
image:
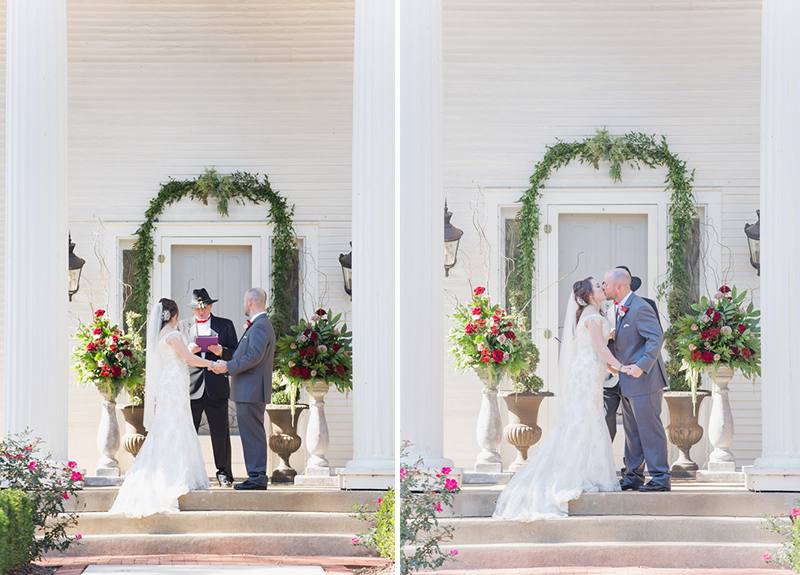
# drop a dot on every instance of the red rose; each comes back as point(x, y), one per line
point(340, 369)
point(734, 350)
point(127, 352)
point(717, 316)
point(497, 355)
point(710, 311)
point(479, 290)
point(91, 346)
point(476, 311)
point(313, 336)
point(99, 313)
point(724, 289)
point(747, 353)
point(336, 347)
point(97, 331)
point(307, 331)
point(495, 331)
point(714, 332)
point(295, 372)
point(112, 349)
point(495, 319)
point(470, 329)
point(511, 335)
point(708, 357)
point(305, 373)
point(705, 334)
point(114, 338)
point(321, 312)
point(509, 324)
point(741, 328)
point(697, 355)
point(116, 370)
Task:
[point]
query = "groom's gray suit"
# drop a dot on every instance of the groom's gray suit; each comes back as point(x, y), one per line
point(638, 340)
point(251, 390)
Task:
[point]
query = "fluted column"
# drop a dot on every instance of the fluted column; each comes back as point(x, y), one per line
point(372, 465)
point(779, 466)
point(36, 271)
point(420, 251)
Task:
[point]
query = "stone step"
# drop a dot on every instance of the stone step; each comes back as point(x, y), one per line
point(218, 499)
point(678, 555)
point(280, 544)
point(613, 528)
point(230, 522)
point(693, 502)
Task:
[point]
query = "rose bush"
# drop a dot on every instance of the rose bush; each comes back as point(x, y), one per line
point(381, 521)
point(789, 553)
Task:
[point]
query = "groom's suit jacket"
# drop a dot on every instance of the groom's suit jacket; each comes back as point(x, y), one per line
point(216, 384)
point(638, 340)
point(251, 366)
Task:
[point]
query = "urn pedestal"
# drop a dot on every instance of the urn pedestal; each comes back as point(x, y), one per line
point(489, 432)
point(522, 430)
point(134, 427)
point(318, 471)
point(108, 440)
point(721, 463)
point(284, 440)
point(683, 430)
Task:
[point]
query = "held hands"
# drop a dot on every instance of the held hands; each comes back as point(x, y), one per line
point(632, 370)
point(219, 367)
point(612, 370)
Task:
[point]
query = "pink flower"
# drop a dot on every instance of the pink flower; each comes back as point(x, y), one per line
point(64, 493)
point(79, 536)
point(402, 473)
point(446, 470)
point(32, 465)
point(354, 540)
point(451, 484)
point(766, 557)
point(380, 501)
point(438, 506)
point(454, 552)
point(72, 465)
point(76, 476)
point(694, 327)
point(795, 513)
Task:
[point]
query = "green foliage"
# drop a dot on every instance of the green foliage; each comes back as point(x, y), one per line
point(789, 553)
point(17, 530)
point(47, 486)
point(240, 187)
point(381, 532)
point(423, 497)
point(281, 390)
point(634, 149)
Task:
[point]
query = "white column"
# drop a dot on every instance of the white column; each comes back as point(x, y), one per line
point(420, 249)
point(372, 465)
point(36, 272)
point(779, 466)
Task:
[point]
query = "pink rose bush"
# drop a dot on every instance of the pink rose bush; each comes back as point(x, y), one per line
point(380, 535)
point(788, 555)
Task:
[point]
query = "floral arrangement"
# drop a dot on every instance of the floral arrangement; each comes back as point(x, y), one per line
point(721, 332)
point(107, 357)
point(423, 497)
point(381, 521)
point(48, 485)
point(317, 350)
point(484, 339)
point(789, 553)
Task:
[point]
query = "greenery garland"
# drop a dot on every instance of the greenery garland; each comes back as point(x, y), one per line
point(239, 187)
point(634, 149)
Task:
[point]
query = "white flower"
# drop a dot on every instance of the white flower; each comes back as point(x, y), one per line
point(291, 364)
point(303, 339)
point(124, 372)
point(708, 345)
point(726, 330)
point(719, 295)
point(694, 327)
point(315, 317)
point(716, 357)
point(692, 347)
point(452, 331)
point(705, 319)
point(293, 345)
point(501, 339)
point(481, 347)
point(120, 356)
point(313, 373)
point(506, 355)
point(322, 348)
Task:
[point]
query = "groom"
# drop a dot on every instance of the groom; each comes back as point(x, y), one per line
point(251, 386)
point(642, 378)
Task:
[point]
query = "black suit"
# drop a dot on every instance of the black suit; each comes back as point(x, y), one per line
point(214, 401)
point(612, 396)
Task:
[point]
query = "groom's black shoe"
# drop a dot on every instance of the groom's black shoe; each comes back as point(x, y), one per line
point(224, 480)
point(626, 486)
point(247, 486)
point(653, 487)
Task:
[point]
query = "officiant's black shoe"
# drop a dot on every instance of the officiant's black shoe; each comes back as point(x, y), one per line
point(247, 486)
point(224, 480)
point(653, 488)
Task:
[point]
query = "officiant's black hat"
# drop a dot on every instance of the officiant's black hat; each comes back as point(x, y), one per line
point(636, 282)
point(201, 299)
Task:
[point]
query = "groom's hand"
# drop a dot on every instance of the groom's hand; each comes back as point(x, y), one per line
point(220, 366)
point(633, 370)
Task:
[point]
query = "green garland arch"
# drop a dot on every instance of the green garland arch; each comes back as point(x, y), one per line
point(634, 149)
point(239, 187)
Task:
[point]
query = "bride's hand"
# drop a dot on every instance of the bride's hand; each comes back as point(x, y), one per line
point(612, 370)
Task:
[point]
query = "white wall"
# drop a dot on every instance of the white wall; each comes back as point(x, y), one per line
point(520, 74)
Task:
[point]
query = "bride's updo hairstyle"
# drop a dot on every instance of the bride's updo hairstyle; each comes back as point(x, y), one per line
point(169, 309)
point(582, 290)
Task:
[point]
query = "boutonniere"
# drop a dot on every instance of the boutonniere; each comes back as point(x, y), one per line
point(247, 324)
point(622, 310)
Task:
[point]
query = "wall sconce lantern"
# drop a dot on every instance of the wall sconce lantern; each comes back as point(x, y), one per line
point(346, 261)
point(75, 268)
point(753, 233)
point(452, 237)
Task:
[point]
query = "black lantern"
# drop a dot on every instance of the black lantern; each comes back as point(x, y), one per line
point(753, 233)
point(452, 236)
point(75, 267)
point(346, 260)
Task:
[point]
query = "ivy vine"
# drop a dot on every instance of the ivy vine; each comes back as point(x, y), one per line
point(634, 149)
point(239, 187)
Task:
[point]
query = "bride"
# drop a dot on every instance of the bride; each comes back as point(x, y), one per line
point(170, 462)
point(576, 457)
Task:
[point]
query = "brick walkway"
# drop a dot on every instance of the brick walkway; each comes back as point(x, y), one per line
point(611, 571)
point(337, 565)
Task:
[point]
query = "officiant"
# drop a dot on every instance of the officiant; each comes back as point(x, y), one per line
point(209, 391)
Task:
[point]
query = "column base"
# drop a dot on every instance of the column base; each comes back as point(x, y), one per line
point(487, 477)
point(316, 477)
point(102, 481)
point(771, 479)
point(367, 478)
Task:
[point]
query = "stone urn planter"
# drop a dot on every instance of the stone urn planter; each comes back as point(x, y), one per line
point(108, 438)
point(683, 430)
point(317, 436)
point(284, 440)
point(489, 431)
point(720, 423)
point(522, 430)
point(134, 426)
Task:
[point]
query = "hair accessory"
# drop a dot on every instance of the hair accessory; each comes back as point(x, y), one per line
point(581, 302)
point(165, 315)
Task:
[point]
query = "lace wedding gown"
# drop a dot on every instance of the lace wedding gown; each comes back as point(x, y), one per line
point(170, 462)
point(576, 456)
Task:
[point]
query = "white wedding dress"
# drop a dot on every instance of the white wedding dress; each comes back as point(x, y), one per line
point(170, 462)
point(576, 456)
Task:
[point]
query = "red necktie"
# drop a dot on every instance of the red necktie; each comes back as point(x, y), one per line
point(204, 320)
point(249, 323)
